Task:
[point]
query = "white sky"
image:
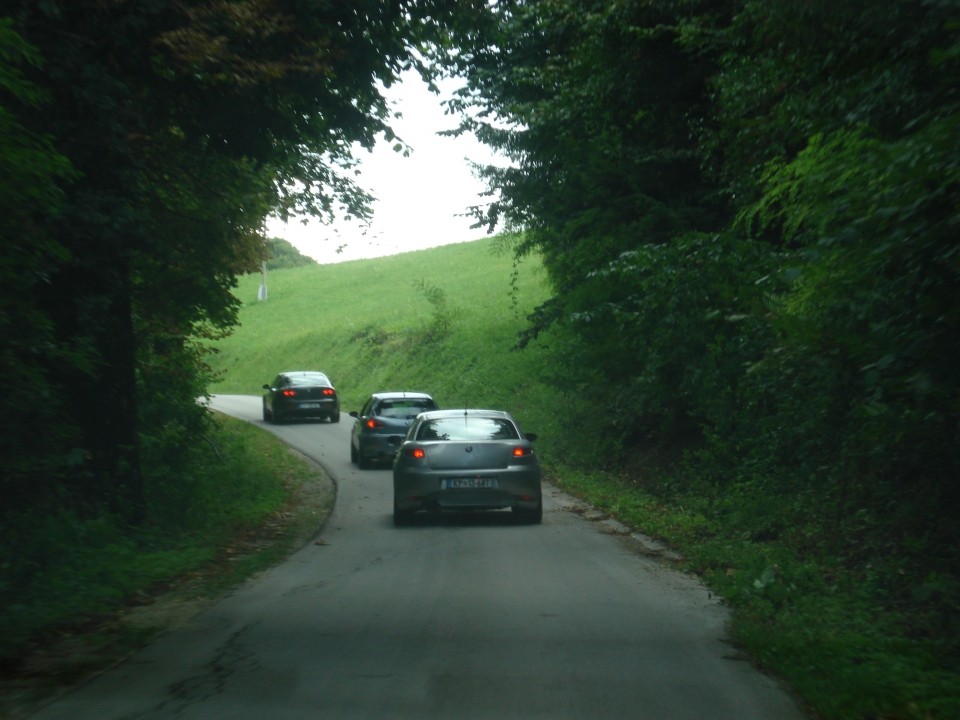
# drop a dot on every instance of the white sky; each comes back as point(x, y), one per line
point(420, 199)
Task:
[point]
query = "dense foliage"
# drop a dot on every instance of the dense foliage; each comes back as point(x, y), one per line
point(142, 146)
point(749, 214)
point(284, 255)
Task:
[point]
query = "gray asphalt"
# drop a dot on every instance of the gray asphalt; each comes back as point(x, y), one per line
point(470, 617)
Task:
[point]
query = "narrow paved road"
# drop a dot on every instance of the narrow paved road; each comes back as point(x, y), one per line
point(459, 618)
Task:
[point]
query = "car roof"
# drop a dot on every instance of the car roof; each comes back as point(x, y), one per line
point(401, 394)
point(475, 412)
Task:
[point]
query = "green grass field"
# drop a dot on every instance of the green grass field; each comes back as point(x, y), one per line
point(442, 321)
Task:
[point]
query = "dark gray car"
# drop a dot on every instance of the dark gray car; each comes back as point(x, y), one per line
point(299, 395)
point(384, 415)
point(466, 460)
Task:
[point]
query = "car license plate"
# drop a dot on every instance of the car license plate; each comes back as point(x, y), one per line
point(309, 406)
point(469, 483)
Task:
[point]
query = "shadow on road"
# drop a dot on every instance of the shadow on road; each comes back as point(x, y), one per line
point(459, 518)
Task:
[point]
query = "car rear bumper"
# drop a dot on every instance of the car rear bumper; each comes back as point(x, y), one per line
point(306, 409)
point(378, 447)
point(423, 491)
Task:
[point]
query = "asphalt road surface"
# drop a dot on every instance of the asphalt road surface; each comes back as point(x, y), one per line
point(462, 617)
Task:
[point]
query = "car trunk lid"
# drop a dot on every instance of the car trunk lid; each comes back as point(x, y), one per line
point(468, 455)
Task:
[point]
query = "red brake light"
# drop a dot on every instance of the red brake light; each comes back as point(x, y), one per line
point(373, 424)
point(416, 453)
point(288, 393)
point(328, 392)
point(521, 451)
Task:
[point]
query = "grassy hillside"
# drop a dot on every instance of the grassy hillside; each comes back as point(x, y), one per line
point(441, 321)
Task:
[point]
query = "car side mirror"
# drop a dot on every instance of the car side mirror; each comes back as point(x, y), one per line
point(531, 436)
point(353, 413)
point(266, 387)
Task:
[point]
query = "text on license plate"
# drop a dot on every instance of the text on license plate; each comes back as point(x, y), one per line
point(469, 483)
point(309, 406)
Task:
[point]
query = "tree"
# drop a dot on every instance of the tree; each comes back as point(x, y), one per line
point(285, 255)
point(600, 108)
point(748, 211)
point(186, 123)
point(866, 189)
point(30, 170)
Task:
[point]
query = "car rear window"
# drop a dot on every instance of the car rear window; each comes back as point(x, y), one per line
point(309, 379)
point(405, 408)
point(467, 429)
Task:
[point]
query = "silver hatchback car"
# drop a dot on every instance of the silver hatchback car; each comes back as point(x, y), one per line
point(466, 460)
point(384, 415)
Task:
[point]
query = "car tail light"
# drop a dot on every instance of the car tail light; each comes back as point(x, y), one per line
point(522, 451)
point(288, 393)
point(415, 453)
point(374, 424)
point(329, 392)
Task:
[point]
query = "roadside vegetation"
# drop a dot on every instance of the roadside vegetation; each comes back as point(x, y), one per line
point(79, 591)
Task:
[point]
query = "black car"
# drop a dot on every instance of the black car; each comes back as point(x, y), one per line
point(384, 415)
point(301, 394)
